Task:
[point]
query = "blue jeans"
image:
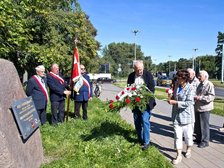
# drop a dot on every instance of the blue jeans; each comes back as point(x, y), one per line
point(142, 125)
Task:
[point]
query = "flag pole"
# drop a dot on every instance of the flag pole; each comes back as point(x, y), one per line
point(71, 83)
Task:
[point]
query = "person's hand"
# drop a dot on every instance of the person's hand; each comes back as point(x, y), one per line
point(196, 98)
point(67, 92)
point(90, 98)
point(172, 102)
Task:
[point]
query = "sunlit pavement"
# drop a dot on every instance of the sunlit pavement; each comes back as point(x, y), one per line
point(162, 134)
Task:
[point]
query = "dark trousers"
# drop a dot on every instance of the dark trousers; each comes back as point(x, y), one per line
point(84, 105)
point(58, 112)
point(202, 126)
point(42, 115)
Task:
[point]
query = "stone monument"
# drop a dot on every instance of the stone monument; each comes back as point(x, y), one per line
point(14, 151)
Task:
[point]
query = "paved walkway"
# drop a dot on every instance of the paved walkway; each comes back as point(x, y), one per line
point(162, 134)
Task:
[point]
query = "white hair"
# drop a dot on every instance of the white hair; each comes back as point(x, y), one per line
point(138, 62)
point(40, 68)
point(205, 73)
point(190, 70)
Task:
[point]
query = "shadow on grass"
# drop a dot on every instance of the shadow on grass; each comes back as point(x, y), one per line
point(107, 129)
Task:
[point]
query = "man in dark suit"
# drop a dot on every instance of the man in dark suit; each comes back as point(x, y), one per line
point(83, 95)
point(141, 118)
point(36, 87)
point(58, 93)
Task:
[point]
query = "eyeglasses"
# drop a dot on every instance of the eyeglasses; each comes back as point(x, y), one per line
point(83, 68)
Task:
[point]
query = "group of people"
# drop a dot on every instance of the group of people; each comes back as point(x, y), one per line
point(38, 85)
point(192, 101)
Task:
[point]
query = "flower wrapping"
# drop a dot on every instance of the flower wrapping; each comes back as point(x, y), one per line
point(170, 93)
point(131, 97)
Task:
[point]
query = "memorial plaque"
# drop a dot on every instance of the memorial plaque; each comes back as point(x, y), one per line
point(26, 116)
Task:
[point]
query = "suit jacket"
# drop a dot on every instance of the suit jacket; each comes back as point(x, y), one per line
point(56, 88)
point(33, 89)
point(83, 94)
point(148, 79)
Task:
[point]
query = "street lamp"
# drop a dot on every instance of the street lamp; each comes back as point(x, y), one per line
point(193, 66)
point(169, 63)
point(135, 33)
point(199, 65)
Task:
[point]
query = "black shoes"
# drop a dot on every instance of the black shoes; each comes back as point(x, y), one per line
point(145, 146)
point(196, 141)
point(203, 145)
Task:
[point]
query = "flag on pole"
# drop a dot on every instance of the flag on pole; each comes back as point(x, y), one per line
point(76, 74)
point(77, 78)
point(76, 66)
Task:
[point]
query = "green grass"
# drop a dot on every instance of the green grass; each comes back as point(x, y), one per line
point(104, 140)
point(217, 83)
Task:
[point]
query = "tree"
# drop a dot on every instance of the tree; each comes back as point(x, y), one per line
point(148, 63)
point(208, 64)
point(184, 63)
point(42, 32)
point(219, 51)
point(121, 53)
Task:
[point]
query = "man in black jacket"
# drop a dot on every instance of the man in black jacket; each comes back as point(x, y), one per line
point(141, 118)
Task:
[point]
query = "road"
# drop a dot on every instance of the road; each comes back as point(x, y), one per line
point(162, 134)
point(219, 92)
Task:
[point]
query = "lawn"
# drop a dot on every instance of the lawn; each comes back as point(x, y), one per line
point(104, 140)
point(217, 83)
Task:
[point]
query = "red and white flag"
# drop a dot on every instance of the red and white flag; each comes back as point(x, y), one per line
point(77, 78)
point(76, 66)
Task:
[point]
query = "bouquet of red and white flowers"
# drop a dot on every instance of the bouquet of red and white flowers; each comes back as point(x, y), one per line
point(131, 97)
point(169, 91)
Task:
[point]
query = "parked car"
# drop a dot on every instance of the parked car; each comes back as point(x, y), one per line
point(164, 81)
point(105, 80)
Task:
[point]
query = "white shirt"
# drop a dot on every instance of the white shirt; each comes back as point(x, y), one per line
point(139, 80)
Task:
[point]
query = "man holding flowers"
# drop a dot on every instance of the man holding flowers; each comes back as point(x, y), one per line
point(142, 117)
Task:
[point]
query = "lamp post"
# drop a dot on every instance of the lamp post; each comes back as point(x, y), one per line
point(199, 64)
point(135, 33)
point(193, 66)
point(169, 64)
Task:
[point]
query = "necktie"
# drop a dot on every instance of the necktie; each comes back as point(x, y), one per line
point(42, 81)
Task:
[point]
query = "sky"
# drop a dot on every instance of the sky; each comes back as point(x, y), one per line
point(168, 29)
